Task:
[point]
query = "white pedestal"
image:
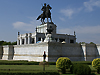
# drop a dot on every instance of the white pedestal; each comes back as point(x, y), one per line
point(49, 38)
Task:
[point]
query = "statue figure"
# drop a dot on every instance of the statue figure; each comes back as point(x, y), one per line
point(46, 13)
point(44, 56)
point(44, 9)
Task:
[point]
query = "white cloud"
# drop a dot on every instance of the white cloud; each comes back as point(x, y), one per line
point(20, 24)
point(26, 26)
point(92, 3)
point(61, 18)
point(82, 29)
point(88, 6)
point(68, 12)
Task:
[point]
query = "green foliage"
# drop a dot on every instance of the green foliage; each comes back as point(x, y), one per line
point(14, 43)
point(80, 69)
point(82, 43)
point(63, 63)
point(82, 62)
point(92, 43)
point(52, 63)
point(8, 43)
point(28, 73)
point(86, 43)
point(96, 64)
point(20, 62)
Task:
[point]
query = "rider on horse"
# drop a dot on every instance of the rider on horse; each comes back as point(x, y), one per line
point(46, 13)
point(44, 9)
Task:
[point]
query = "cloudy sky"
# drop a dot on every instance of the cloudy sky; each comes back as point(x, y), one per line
point(81, 16)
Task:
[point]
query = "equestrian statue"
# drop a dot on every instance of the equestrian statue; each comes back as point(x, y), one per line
point(46, 13)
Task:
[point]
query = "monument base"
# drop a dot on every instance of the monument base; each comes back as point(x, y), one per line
point(49, 38)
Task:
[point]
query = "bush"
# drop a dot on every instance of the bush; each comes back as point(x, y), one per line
point(52, 63)
point(96, 64)
point(63, 63)
point(80, 69)
point(82, 62)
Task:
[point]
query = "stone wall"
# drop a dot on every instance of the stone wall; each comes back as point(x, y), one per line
point(76, 52)
point(5, 52)
point(98, 49)
point(54, 50)
point(72, 51)
point(32, 52)
point(90, 51)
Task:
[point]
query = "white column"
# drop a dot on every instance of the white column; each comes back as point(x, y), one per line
point(17, 41)
point(41, 40)
point(36, 39)
point(28, 39)
point(20, 40)
point(25, 40)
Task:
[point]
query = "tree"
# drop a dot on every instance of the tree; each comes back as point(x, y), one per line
point(63, 63)
point(96, 64)
point(92, 43)
point(82, 43)
point(14, 43)
point(1, 42)
point(8, 43)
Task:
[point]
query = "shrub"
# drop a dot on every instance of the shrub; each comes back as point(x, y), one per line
point(96, 64)
point(63, 63)
point(52, 63)
point(19, 62)
point(80, 69)
point(82, 62)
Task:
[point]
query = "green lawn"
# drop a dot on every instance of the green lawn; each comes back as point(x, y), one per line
point(27, 67)
point(30, 68)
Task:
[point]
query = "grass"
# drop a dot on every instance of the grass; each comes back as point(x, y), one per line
point(27, 67)
point(30, 68)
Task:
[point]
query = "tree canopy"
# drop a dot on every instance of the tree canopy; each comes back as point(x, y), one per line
point(8, 43)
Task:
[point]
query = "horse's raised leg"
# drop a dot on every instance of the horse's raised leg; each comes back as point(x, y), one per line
point(41, 21)
point(47, 19)
point(50, 19)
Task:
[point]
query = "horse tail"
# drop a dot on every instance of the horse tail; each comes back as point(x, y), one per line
point(38, 17)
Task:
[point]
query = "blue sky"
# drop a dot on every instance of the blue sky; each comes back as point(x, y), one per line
point(81, 16)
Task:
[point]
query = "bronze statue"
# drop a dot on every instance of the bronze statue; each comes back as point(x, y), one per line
point(46, 13)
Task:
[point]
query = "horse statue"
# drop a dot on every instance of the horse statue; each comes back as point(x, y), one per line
point(46, 14)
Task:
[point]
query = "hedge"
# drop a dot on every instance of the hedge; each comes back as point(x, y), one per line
point(28, 73)
point(25, 62)
point(82, 62)
point(22, 62)
point(80, 69)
